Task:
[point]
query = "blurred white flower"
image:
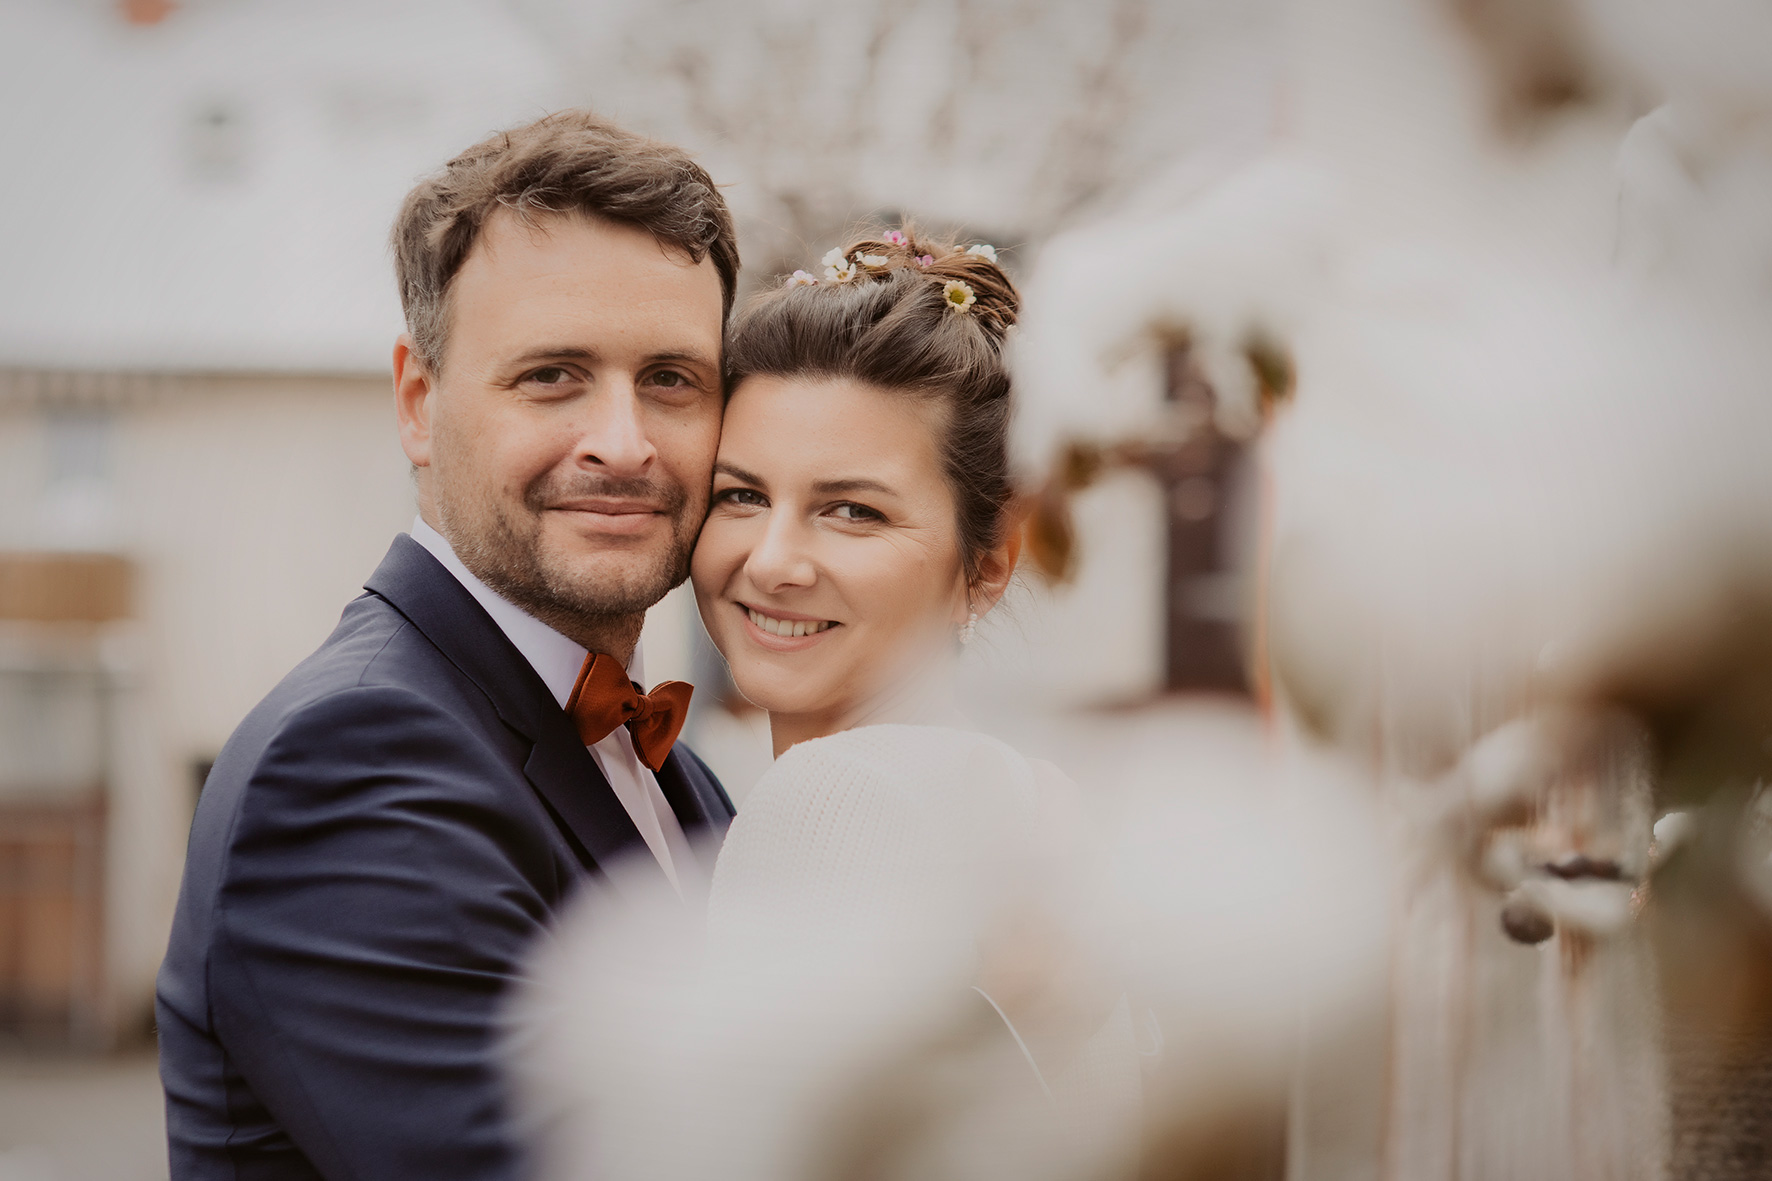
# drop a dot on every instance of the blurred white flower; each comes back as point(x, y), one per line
point(837, 268)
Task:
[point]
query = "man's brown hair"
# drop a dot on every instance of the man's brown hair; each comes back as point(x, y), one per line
point(570, 162)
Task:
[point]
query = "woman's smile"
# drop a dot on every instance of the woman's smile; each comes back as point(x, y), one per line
point(828, 495)
point(778, 625)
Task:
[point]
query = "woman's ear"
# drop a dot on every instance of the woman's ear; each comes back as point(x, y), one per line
point(995, 568)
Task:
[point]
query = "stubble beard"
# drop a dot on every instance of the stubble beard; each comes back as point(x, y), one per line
point(505, 549)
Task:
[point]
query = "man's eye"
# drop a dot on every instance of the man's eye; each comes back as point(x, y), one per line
point(669, 378)
point(550, 375)
point(849, 511)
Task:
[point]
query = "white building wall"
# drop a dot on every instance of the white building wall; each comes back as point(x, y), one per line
point(256, 508)
point(253, 508)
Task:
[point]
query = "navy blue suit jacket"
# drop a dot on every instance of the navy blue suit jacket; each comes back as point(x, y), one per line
point(377, 846)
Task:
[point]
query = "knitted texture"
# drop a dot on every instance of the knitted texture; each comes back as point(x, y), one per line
point(907, 835)
point(880, 827)
point(870, 880)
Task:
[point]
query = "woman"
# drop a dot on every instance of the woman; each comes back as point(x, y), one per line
point(894, 882)
point(858, 519)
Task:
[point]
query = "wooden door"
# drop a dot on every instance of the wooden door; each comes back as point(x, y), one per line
point(51, 912)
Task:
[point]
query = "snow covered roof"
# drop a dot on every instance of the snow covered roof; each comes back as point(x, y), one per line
point(213, 191)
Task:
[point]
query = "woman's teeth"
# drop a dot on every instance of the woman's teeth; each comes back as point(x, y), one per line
point(788, 628)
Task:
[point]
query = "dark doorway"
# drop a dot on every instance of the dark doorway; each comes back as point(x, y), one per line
point(1202, 480)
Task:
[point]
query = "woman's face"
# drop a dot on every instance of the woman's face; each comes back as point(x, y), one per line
point(829, 566)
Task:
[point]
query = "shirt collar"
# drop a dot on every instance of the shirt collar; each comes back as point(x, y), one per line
point(556, 659)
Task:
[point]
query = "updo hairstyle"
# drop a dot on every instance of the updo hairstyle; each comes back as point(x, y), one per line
point(892, 324)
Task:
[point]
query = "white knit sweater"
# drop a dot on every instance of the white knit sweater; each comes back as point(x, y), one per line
point(829, 996)
point(880, 824)
point(898, 832)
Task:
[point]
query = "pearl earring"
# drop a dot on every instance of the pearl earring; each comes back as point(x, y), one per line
point(969, 628)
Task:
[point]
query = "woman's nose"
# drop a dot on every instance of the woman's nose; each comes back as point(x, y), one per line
point(615, 438)
point(782, 558)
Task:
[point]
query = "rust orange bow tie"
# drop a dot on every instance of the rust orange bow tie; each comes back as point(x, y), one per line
point(603, 698)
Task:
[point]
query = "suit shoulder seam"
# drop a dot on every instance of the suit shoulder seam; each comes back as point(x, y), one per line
point(405, 624)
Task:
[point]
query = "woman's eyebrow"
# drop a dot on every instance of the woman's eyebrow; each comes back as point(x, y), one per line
point(743, 477)
point(853, 484)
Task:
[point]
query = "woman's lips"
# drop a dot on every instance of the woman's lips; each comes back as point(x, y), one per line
point(783, 633)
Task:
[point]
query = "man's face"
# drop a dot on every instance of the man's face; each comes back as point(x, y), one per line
point(565, 447)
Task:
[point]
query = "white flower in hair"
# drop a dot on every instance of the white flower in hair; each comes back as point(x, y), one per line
point(958, 295)
point(983, 251)
point(837, 268)
point(871, 260)
point(802, 279)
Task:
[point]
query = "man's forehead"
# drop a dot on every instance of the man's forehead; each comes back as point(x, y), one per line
point(510, 235)
point(543, 275)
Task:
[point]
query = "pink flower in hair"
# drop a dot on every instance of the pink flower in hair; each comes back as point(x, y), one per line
point(896, 237)
point(924, 260)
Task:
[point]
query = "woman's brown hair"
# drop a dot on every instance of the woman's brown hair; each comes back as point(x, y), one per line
point(893, 325)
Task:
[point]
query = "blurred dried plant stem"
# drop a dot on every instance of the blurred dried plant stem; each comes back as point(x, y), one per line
point(1010, 116)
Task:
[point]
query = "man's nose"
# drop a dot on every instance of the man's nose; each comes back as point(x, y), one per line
point(615, 439)
point(782, 558)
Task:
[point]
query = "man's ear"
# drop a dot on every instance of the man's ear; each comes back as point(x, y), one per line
point(414, 386)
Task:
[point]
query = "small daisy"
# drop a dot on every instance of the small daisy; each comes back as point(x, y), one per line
point(896, 237)
point(983, 251)
point(802, 279)
point(958, 295)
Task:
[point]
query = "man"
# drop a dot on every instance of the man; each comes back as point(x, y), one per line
point(387, 833)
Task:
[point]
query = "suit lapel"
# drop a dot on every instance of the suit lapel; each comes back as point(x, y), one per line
point(559, 767)
point(699, 802)
point(700, 805)
point(566, 775)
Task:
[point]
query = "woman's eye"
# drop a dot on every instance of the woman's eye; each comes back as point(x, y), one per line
point(749, 497)
point(856, 512)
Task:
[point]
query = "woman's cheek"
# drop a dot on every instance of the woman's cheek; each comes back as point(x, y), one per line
point(710, 574)
point(711, 564)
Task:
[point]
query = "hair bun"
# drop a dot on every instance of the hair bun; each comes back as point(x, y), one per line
point(994, 300)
